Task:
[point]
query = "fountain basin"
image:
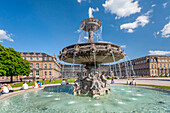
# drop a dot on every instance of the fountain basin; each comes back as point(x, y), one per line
point(84, 53)
point(120, 99)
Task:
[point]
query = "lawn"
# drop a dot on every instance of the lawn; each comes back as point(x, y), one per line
point(19, 84)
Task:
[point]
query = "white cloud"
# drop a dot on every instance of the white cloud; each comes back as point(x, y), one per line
point(153, 5)
point(166, 31)
point(91, 10)
point(79, 1)
point(5, 36)
point(140, 21)
point(130, 31)
point(165, 4)
point(158, 52)
point(123, 46)
point(122, 8)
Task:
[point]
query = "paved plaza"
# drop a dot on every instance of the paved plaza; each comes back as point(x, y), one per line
point(148, 81)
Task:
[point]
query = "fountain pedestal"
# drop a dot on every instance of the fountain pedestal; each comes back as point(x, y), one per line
point(93, 83)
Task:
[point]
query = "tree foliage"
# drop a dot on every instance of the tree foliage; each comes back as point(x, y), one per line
point(12, 64)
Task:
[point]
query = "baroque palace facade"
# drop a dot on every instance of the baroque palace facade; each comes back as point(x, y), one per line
point(42, 65)
point(145, 66)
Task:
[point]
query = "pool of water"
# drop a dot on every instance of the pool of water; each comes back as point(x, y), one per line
point(59, 99)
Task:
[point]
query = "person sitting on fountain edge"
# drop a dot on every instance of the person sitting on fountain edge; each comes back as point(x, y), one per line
point(128, 82)
point(63, 82)
point(67, 82)
point(133, 82)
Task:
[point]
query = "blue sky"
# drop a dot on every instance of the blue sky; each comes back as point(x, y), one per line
point(141, 27)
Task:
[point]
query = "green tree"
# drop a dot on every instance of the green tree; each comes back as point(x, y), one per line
point(12, 64)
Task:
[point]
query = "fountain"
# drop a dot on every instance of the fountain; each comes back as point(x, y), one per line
point(91, 54)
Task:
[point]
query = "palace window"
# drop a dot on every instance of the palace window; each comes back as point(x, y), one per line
point(31, 66)
point(30, 58)
point(37, 72)
point(164, 65)
point(49, 72)
point(50, 66)
point(25, 58)
point(37, 66)
point(45, 65)
point(45, 58)
point(152, 66)
point(37, 58)
point(155, 65)
point(31, 74)
point(45, 73)
point(49, 58)
point(160, 60)
point(160, 66)
point(167, 65)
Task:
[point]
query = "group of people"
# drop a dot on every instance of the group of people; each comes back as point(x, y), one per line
point(64, 82)
point(6, 88)
point(131, 82)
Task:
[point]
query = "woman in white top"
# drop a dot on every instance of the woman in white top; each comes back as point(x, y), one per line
point(4, 89)
point(35, 85)
point(24, 86)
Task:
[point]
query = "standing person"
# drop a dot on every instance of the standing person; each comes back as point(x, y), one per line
point(112, 81)
point(63, 82)
point(43, 81)
point(20, 79)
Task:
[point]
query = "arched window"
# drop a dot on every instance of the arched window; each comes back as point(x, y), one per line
point(45, 65)
point(30, 58)
point(37, 66)
point(31, 66)
point(37, 58)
